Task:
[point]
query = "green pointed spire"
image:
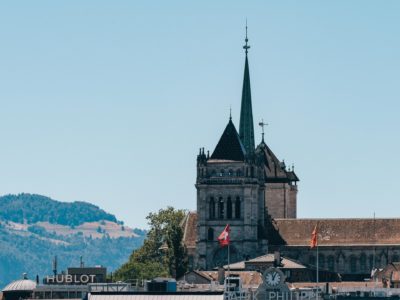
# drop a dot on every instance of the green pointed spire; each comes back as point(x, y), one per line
point(246, 127)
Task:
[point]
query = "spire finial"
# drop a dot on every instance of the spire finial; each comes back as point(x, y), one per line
point(246, 47)
point(262, 124)
point(230, 113)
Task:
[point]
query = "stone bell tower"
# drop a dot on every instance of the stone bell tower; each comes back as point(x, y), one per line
point(242, 186)
point(231, 190)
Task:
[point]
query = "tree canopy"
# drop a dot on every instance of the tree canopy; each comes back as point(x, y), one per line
point(162, 253)
point(30, 208)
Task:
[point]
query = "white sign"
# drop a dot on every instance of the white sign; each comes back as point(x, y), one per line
point(70, 279)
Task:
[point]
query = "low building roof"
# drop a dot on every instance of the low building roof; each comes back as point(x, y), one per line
point(286, 263)
point(20, 285)
point(249, 278)
point(335, 285)
point(158, 296)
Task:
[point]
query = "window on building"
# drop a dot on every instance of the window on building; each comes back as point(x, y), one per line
point(311, 260)
point(220, 208)
point(230, 172)
point(353, 264)
point(321, 259)
point(371, 262)
point(395, 258)
point(210, 234)
point(238, 204)
point(341, 263)
point(221, 173)
point(363, 262)
point(331, 263)
point(212, 208)
point(229, 208)
point(383, 260)
point(238, 173)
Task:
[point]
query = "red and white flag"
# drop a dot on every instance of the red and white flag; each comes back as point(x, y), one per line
point(314, 238)
point(223, 238)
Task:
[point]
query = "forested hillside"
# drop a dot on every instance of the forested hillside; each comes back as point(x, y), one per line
point(36, 208)
point(34, 228)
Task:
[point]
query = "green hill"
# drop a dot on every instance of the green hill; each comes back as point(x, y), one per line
point(36, 208)
point(34, 228)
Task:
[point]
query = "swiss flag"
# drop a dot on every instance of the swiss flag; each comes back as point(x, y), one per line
point(223, 238)
point(314, 237)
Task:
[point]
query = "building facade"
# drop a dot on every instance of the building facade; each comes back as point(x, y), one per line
point(248, 187)
point(241, 185)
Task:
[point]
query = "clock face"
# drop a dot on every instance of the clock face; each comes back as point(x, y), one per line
point(273, 278)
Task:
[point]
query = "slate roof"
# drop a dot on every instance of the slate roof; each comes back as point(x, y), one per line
point(229, 146)
point(268, 258)
point(275, 171)
point(339, 232)
point(248, 278)
point(246, 126)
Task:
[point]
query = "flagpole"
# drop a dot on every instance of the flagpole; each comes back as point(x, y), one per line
point(317, 263)
point(229, 265)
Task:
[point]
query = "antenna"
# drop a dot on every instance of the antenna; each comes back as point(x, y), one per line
point(81, 262)
point(55, 265)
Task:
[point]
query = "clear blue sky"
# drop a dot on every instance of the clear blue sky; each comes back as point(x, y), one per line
point(109, 101)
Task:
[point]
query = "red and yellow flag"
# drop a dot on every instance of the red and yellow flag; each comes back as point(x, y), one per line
point(314, 237)
point(224, 238)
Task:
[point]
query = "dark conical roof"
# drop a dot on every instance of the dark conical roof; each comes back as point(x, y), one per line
point(275, 170)
point(246, 127)
point(229, 146)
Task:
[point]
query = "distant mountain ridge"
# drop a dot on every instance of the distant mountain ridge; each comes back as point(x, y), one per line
point(31, 208)
point(35, 228)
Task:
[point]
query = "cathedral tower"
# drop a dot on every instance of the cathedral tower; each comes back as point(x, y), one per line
point(230, 190)
point(242, 186)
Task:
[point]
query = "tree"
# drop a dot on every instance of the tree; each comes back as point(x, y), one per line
point(162, 253)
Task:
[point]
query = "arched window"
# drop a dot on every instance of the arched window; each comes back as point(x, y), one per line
point(229, 208)
point(341, 263)
point(395, 258)
point(230, 173)
point(212, 208)
point(383, 260)
point(222, 173)
point(238, 173)
point(321, 259)
point(311, 260)
point(363, 262)
point(353, 264)
point(371, 262)
point(331, 263)
point(210, 234)
point(220, 208)
point(237, 208)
